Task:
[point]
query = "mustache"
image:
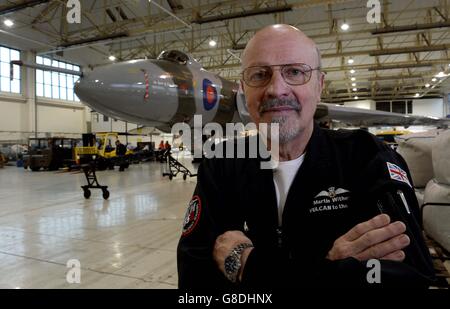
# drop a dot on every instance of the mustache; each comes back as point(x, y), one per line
point(271, 103)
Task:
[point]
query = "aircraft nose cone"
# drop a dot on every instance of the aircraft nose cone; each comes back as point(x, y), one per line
point(106, 89)
point(129, 91)
point(86, 87)
point(92, 88)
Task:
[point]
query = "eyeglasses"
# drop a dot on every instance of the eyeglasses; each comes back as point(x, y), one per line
point(293, 74)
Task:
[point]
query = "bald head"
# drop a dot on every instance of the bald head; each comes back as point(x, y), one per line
point(281, 36)
point(287, 94)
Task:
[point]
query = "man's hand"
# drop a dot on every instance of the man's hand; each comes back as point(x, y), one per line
point(373, 239)
point(225, 243)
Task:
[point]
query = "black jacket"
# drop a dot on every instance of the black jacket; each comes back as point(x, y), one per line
point(121, 149)
point(344, 180)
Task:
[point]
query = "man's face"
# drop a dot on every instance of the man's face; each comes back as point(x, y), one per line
point(291, 106)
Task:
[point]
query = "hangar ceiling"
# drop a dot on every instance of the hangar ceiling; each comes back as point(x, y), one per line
point(395, 59)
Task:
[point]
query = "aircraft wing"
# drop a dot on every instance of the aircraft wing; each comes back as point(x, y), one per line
point(143, 130)
point(359, 117)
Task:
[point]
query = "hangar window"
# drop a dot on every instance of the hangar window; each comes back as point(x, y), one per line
point(56, 85)
point(409, 106)
point(6, 84)
point(401, 107)
point(383, 106)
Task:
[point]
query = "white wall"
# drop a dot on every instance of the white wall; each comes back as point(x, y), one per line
point(99, 125)
point(428, 107)
point(13, 115)
point(13, 118)
point(60, 119)
point(422, 107)
point(447, 105)
point(17, 118)
point(54, 117)
point(365, 104)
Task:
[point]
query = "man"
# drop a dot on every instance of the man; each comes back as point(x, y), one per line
point(314, 220)
point(167, 146)
point(121, 150)
point(161, 145)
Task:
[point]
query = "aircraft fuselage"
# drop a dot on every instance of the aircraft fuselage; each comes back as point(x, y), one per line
point(157, 93)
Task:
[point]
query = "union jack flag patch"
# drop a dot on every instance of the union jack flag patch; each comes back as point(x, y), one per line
point(397, 173)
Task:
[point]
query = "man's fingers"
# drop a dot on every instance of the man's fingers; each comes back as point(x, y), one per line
point(398, 256)
point(385, 248)
point(364, 227)
point(231, 239)
point(378, 236)
point(234, 236)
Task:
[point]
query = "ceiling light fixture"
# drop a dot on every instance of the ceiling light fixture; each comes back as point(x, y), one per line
point(345, 26)
point(350, 61)
point(441, 74)
point(112, 57)
point(8, 23)
point(212, 43)
point(352, 71)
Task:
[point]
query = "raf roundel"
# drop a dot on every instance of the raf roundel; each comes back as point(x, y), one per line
point(209, 94)
point(192, 215)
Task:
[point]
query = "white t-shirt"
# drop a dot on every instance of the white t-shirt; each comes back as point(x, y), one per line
point(283, 176)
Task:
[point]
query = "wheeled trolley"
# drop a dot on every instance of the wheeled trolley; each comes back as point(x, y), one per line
point(91, 177)
point(173, 167)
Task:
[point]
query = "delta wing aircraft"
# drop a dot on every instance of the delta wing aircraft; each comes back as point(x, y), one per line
point(175, 87)
point(160, 92)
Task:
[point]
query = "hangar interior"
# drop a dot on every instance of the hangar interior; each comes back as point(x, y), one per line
point(396, 60)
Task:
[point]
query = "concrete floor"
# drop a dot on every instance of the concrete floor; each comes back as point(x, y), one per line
point(128, 241)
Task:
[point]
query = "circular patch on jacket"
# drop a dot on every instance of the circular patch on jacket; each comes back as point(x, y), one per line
point(192, 215)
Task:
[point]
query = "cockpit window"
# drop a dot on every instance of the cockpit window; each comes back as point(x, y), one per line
point(175, 56)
